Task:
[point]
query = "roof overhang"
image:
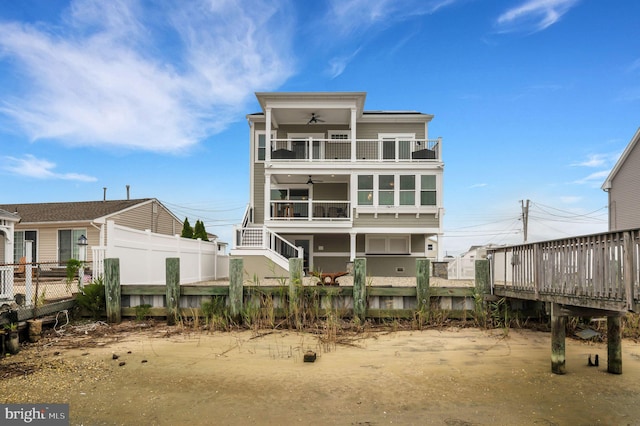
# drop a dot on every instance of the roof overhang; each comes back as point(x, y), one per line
point(298, 107)
point(606, 186)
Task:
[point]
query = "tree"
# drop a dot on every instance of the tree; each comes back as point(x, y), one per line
point(200, 231)
point(187, 230)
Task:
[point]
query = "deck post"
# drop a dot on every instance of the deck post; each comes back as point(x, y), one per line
point(172, 280)
point(295, 287)
point(423, 273)
point(482, 277)
point(235, 287)
point(112, 290)
point(360, 289)
point(614, 345)
point(558, 334)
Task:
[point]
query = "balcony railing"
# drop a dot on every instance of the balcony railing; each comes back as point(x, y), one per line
point(310, 149)
point(311, 210)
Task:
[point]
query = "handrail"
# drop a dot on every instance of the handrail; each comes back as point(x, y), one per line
point(382, 150)
point(263, 238)
point(600, 266)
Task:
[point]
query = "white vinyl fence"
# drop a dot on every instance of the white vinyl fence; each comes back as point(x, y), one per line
point(461, 268)
point(143, 255)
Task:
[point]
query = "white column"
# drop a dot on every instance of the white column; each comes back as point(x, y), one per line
point(28, 275)
point(267, 197)
point(352, 246)
point(353, 134)
point(267, 136)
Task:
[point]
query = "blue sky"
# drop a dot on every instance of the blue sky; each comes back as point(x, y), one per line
point(534, 99)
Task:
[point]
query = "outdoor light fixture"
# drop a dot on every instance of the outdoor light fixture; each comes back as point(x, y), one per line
point(82, 240)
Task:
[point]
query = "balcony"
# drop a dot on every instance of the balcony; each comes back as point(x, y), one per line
point(307, 210)
point(366, 150)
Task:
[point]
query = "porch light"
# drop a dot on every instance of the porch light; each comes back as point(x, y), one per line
point(82, 240)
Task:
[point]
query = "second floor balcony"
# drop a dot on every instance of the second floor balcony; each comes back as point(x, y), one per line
point(362, 150)
point(304, 210)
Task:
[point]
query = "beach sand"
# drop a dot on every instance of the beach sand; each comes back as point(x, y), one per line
point(137, 375)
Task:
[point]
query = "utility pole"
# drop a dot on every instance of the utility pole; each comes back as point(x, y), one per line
point(525, 218)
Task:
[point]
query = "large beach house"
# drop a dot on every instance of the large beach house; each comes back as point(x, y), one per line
point(331, 182)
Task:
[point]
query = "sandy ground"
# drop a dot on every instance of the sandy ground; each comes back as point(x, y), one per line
point(455, 376)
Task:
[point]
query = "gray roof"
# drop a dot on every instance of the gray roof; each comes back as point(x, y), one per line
point(9, 216)
point(70, 211)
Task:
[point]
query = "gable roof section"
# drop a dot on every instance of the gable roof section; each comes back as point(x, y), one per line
point(634, 141)
point(70, 211)
point(9, 216)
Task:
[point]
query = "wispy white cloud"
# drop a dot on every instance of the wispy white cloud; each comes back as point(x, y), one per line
point(593, 160)
point(30, 166)
point(478, 185)
point(594, 179)
point(362, 20)
point(338, 64)
point(533, 15)
point(102, 78)
point(353, 16)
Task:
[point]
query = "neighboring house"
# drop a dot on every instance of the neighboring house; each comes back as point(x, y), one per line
point(55, 228)
point(7, 223)
point(622, 188)
point(339, 182)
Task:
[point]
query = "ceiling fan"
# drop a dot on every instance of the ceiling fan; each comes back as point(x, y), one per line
point(314, 119)
point(311, 181)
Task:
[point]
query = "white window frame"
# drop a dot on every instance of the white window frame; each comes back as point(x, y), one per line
point(396, 191)
point(387, 240)
point(396, 137)
point(257, 143)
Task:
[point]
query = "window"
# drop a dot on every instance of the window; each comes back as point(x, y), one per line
point(385, 190)
point(19, 237)
point(365, 190)
point(68, 244)
point(428, 190)
point(383, 244)
point(397, 145)
point(396, 190)
point(407, 190)
point(261, 144)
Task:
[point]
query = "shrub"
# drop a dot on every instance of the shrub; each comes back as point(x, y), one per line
point(92, 298)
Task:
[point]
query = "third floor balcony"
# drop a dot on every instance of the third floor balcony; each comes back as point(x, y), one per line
point(364, 150)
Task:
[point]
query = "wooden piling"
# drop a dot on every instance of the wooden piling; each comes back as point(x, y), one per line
point(236, 267)
point(112, 290)
point(558, 335)
point(614, 345)
point(172, 280)
point(423, 273)
point(482, 277)
point(295, 287)
point(360, 289)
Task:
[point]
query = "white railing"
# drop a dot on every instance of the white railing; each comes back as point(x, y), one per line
point(264, 239)
point(6, 282)
point(461, 268)
point(310, 210)
point(310, 149)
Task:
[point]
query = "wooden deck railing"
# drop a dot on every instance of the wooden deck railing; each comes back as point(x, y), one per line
point(596, 271)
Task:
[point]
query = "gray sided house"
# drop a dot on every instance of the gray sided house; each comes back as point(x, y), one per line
point(331, 182)
point(622, 188)
point(54, 228)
